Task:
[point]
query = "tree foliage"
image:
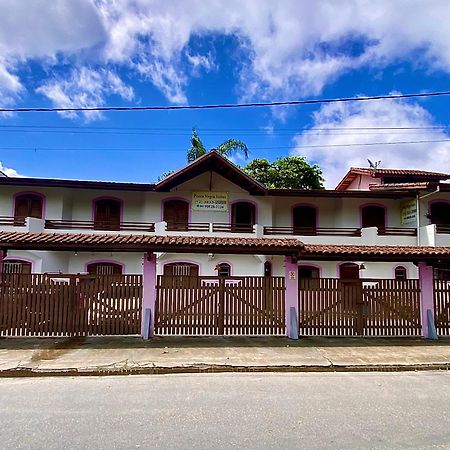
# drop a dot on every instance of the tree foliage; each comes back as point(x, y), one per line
point(291, 172)
point(227, 148)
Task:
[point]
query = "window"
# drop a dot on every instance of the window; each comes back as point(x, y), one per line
point(104, 268)
point(442, 272)
point(107, 214)
point(28, 205)
point(16, 266)
point(373, 216)
point(181, 269)
point(304, 219)
point(223, 270)
point(176, 215)
point(440, 213)
point(308, 272)
point(400, 273)
point(243, 216)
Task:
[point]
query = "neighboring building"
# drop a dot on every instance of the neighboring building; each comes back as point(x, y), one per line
point(377, 223)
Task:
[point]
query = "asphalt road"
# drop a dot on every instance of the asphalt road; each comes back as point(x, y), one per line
point(249, 411)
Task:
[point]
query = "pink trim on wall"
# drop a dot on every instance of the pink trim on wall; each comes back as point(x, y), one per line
point(117, 199)
point(373, 204)
point(311, 205)
point(435, 201)
point(252, 202)
point(39, 194)
point(101, 261)
point(164, 200)
point(315, 266)
point(19, 258)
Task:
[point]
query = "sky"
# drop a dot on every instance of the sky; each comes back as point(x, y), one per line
point(87, 53)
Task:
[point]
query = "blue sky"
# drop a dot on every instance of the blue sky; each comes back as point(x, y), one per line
point(144, 52)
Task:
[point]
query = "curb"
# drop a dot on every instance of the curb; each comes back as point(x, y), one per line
point(25, 372)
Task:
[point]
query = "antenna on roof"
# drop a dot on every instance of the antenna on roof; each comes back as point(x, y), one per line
point(374, 165)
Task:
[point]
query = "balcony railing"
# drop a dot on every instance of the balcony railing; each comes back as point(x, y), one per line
point(187, 226)
point(443, 229)
point(233, 228)
point(397, 231)
point(12, 221)
point(104, 226)
point(303, 231)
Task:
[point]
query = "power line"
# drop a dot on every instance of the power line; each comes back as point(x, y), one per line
point(230, 105)
point(253, 148)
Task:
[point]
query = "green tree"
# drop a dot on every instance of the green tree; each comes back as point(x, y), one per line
point(291, 172)
point(227, 148)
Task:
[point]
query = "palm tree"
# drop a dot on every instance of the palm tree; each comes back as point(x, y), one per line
point(227, 148)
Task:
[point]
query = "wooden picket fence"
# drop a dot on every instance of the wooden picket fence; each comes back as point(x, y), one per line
point(250, 306)
point(70, 305)
point(365, 307)
point(442, 307)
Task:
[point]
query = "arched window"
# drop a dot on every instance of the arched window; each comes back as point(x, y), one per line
point(308, 272)
point(400, 273)
point(373, 216)
point(104, 268)
point(223, 270)
point(243, 217)
point(107, 214)
point(28, 205)
point(180, 269)
point(440, 213)
point(349, 271)
point(16, 266)
point(267, 269)
point(176, 215)
point(304, 219)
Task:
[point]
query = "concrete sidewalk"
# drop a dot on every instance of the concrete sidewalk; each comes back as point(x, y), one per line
point(132, 355)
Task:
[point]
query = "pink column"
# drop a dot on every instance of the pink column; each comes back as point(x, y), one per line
point(426, 282)
point(149, 296)
point(2, 257)
point(291, 313)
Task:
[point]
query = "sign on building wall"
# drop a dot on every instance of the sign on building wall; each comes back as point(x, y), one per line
point(408, 212)
point(210, 201)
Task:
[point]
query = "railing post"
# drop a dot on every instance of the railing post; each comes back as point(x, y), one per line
point(426, 283)
point(149, 296)
point(291, 297)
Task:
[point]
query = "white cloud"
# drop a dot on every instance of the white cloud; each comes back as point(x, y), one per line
point(85, 88)
point(294, 47)
point(335, 161)
point(9, 172)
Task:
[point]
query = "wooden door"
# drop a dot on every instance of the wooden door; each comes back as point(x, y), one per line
point(28, 206)
point(440, 213)
point(176, 215)
point(304, 219)
point(373, 216)
point(243, 216)
point(352, 296)
point(107, 215)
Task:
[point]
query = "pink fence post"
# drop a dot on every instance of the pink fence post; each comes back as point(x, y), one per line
point(149, 296)
point(426, 282)
point(291, 282)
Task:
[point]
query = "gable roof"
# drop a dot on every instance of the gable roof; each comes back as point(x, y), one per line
point(212, 161)
point(422, 175)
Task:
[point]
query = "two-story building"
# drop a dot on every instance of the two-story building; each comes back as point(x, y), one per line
point(211, 223)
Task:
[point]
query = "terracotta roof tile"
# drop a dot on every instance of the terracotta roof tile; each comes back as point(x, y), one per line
point(399, 186)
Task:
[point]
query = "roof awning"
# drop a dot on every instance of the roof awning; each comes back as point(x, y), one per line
point(219, 245)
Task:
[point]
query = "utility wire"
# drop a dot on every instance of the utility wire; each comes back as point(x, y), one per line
point(230, 105)
point(299, 147)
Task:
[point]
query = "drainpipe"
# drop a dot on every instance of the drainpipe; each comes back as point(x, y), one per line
point(418, 198)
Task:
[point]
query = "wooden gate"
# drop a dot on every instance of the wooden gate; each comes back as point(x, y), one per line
point(442, 307)
point(249, 306)
point(365, 307)
point(70, 305)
